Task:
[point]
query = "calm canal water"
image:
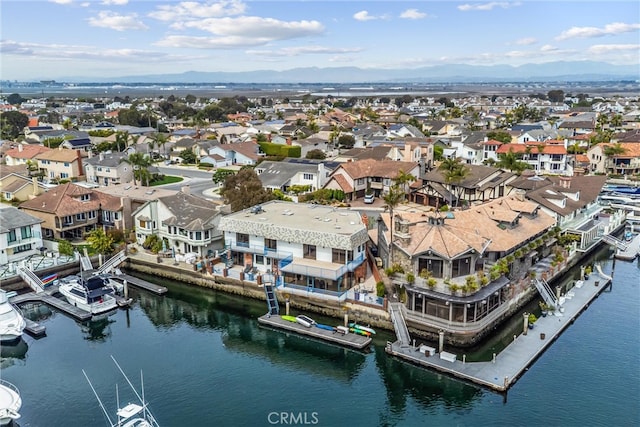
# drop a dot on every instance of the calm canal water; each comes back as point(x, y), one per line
point(207, 362)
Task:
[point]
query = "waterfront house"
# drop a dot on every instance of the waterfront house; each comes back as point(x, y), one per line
point(549, 157)
point(20, 235)
point(302, 247)
point(627, 162)
point(571, 201)
point(69, 211)
point(187, 223)
point(108, 169)
point(361, 177)
point(458, 282)
point(480, 184)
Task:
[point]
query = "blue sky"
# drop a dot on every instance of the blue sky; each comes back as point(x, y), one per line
point(112, 38)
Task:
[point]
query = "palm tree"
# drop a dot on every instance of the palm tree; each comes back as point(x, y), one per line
point(613, 150)
point(402, 179)
point(454, 173)
point(140, 163)
point(511, 162)
point(392, 199)
point(122, 140)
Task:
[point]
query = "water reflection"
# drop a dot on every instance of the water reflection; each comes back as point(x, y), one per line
point(98, 329)
point(13, 352)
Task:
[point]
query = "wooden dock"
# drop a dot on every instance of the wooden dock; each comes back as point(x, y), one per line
point(349, 340)
point(140, 283)
point(34, 329)
point(507, 366)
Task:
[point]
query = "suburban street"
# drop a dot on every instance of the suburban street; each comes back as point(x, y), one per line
point(199, 181)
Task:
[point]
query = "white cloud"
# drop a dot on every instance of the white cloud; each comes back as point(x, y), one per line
point(526, 41)
point(489, 6)
point(115, 2)
point(413, 14)
point(599, 49)
point(607, 30)
point(61, 1)
point(194, 10)
point(548, 48)
point(303, 50)
point(229, 42)
point(113, 21)
point(253, 27)
point(81, 52)
point(363, 15)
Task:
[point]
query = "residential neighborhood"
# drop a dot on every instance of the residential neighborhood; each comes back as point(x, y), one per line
point(414, 199)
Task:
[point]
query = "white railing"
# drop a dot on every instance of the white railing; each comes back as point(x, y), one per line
point(545, 292)
point(32, 280)
point(400, 326)
point(112, 262)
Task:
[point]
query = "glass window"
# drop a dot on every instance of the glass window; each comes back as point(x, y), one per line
point(271, 244)
point(242, 239)
point(309, 251)
point(12, 236)
point(26, 232)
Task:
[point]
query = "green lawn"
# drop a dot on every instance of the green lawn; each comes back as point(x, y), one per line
point(168, 179)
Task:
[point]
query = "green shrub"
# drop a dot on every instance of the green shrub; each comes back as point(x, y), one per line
point(380, 289)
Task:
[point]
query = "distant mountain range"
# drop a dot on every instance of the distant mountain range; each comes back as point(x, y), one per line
point(546, 72)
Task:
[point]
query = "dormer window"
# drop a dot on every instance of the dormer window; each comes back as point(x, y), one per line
point(85, 197)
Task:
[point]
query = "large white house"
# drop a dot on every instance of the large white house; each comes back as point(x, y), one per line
point(305, 247)
point(20, 235)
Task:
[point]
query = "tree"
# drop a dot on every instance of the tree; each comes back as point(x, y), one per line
point(220, 175)
point(65, 248)
point(316, 154)
point(160, 140)
point(15, 99)
point(556, 95)
point(346, 141)
point(188, 156)
point(511, 161)
point(140, 163)
point(500, 135)
point(130, 117)
point(12, 124)
point(402, 179)
point(392, 200)
point(614, 150)
point(122, 140)
point(454, 172)
point(100, 241)
point(243, 190)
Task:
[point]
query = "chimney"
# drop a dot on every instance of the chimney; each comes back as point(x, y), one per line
point(565, 181)
point(486, 139)
point(520, 195)
point(34, 181)
point(20, 148)
point(79, 157)
point(101, 156)
point(288, 140)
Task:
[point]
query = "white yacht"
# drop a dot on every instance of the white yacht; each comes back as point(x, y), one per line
point(10, 403)
point(132, 414)
point(11, 321)
point(93, 294)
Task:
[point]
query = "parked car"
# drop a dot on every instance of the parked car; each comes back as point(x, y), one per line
point(369, 198)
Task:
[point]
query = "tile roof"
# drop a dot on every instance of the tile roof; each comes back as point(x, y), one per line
point(472, 229)
point(28, 151)
point(588, 187)
point(65, 200)
point(190, 212)
point(59, 155)
point(522, 148)
point(12, 218)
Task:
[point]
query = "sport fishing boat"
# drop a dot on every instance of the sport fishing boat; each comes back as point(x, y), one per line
point(10, 403)
point(93, 294)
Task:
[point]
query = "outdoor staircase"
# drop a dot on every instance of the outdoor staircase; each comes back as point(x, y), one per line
point(272, 299)
point(608, 238)
point(31, 279)
point(112, 262)
point(85, 262)
point(400, 326)
point(546, 293)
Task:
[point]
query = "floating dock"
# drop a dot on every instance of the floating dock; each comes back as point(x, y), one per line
point(57, 303)
point(507, 366)
point(632, 250)
point(140, 283)
point(34, 329)
point(349, 340)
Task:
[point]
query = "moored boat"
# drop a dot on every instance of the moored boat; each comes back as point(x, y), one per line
point(305, 321)
point(94, 295)
point(10, 403)
point(362, 328)
point(12, 322)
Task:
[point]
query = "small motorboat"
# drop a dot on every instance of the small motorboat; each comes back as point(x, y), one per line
point(10, 403)
point(305, 321)
point(94, 294)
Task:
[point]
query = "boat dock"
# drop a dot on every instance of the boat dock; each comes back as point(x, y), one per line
point(506, 367)
point(140, 283)
point(631, 251)
point(34, 329)
point(349, 340)
point(47, 298)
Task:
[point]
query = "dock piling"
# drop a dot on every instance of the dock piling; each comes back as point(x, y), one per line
point(440, 341)
point(125, 286)
point(525, 323)
point(286, 306)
